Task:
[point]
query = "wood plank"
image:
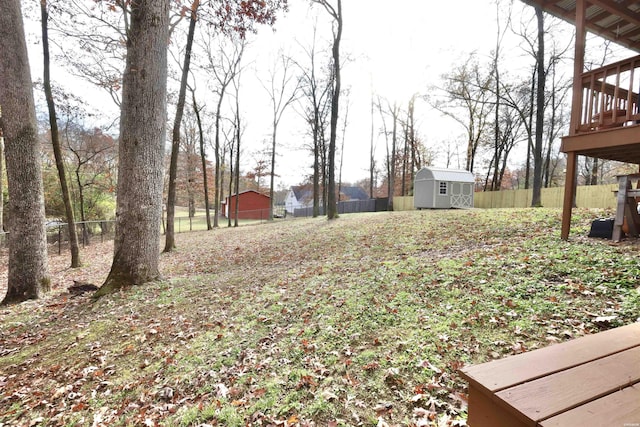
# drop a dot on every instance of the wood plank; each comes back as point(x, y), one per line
point(500, 374)
point(623, 186)
point(618, 409)
point(484, 411)
point(557, 393)
point(617, 137)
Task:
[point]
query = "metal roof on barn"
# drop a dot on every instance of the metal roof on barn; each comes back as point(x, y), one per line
point(438, 174)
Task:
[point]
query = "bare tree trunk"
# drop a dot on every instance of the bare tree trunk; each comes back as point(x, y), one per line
point(344, 132)
point(83, 219)
point(141, 149)
point(237, 167)
point(28, 276)
point(216, 151)
point(170, 240)
point(228, 71)
point(412, 141)
point(203, 157)
point(392, 167)
point(372, 160)
point(231, 176)
point(1, 176)
point(316, 168)
point(527, 179)
point(336, 15)
point(405, 160)
point(332, 208)
point(281, 94)
point(537, 154)
point(55, 140)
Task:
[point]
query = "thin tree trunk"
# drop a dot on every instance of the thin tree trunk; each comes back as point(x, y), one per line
point(28, 276)
point(170, 240)
point(231, 176)
point(405, 158)
point(203, 157)
point(332, 208)
point(237, 166)
point(273, 166)
point(527, 178)
point(141, 149)
point(392, 167)
point(537, 160)
point(372, 160)
point(216, 150)
point(55, 141)
point(344, 132)
point(412, 141)
point(316, 167)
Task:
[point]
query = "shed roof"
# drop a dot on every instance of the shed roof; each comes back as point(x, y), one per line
point(438, 174)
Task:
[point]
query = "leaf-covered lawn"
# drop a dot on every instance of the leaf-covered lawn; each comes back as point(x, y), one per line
point(360, 321)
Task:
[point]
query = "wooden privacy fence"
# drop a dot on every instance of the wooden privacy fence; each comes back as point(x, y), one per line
point(592, 196)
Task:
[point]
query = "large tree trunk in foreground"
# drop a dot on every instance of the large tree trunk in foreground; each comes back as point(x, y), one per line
point(28, 271)
point(55, 141)
point(141, 148)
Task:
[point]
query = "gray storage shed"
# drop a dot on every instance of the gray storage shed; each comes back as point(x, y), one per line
point(443, 189)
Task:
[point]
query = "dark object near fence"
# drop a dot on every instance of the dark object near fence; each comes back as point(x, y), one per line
point(602, 228)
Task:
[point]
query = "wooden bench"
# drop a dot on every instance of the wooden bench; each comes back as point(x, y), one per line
point(587, 382)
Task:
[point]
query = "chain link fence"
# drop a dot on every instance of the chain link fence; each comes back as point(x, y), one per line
point(100, 231)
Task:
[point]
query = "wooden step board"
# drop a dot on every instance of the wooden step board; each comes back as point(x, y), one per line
point(561, 385)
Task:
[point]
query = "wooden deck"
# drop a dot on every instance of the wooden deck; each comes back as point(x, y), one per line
point(590, 381)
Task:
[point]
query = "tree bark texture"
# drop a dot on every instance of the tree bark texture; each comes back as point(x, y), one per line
point(540, 102)
point(332, 208)
point(55, 141)
point(203, 158)
point(28, 269)
point(141, 148)
point(170, 239)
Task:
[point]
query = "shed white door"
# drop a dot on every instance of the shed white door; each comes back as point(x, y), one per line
point(461, 195)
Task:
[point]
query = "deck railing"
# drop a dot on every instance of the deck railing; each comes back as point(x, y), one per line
point(610, 96)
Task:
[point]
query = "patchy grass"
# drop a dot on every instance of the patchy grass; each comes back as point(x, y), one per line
point(364, 320)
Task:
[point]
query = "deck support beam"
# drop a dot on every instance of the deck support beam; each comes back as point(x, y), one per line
point(576, 111)
point(569, 194)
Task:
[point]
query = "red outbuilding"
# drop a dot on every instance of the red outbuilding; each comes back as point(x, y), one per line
point(252, 205)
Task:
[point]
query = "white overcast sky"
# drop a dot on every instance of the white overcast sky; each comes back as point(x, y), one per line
point(400, 47)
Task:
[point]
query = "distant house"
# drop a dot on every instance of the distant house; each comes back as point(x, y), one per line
point(299, 196)
point(252, 205)
point(353, 193)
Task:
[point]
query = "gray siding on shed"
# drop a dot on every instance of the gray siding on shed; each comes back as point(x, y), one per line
point(459, 189)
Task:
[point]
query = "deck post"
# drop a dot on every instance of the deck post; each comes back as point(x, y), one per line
point(569, 194)
point(578, 67)
point(576, 111)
